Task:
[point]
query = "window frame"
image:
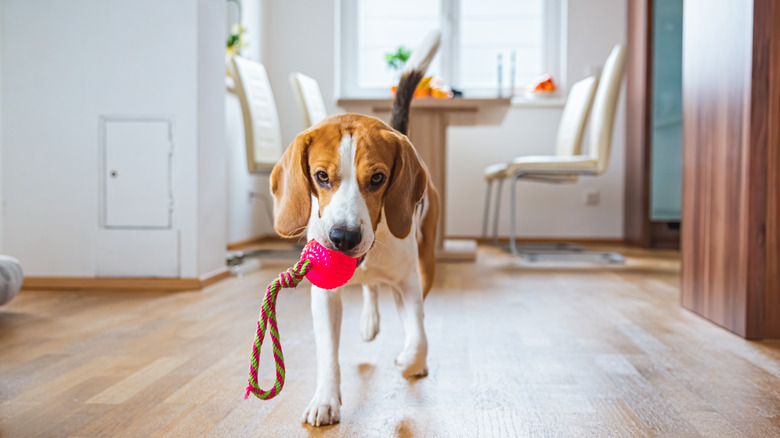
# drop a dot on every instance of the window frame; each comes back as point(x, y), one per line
point(449, 22)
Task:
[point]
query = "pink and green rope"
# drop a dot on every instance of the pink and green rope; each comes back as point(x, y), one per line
point(287, 279)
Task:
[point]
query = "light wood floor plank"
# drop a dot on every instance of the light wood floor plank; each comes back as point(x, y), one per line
point(138, 381)
point(545, 350)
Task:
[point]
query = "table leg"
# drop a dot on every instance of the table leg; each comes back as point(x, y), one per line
point(428, 133)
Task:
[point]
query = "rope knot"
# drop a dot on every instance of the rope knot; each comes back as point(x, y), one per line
point(292, 277)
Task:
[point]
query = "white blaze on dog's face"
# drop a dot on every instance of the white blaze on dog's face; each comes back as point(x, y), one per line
point(342, 220)
point(335, 179)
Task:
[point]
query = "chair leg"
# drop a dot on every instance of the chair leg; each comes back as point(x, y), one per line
point(533, 252)
point(486, 216)
point(512, 214)
point(496, 213)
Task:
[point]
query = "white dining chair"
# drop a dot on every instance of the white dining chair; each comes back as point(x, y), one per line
point(310, 102)
point(263, 138)
point(568, 142)
point(567, 168)
point(262, 131)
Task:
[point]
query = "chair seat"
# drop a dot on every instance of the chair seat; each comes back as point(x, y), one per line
point(496, 171)
point(540, 167)
point(499, 171)
point(555, 178)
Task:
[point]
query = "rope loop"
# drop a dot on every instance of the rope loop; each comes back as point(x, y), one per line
point(287, 279)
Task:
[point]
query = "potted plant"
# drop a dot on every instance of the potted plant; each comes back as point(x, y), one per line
point(428, 87)
point(396, 60)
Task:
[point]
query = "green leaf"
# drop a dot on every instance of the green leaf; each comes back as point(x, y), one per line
point(233, 40)
point(395, 60)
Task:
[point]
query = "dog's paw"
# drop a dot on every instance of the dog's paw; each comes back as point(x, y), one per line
point(322, 411)
point(369, 323)
point(411, 364)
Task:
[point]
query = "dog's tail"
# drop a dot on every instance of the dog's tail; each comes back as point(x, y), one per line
point(412, 74)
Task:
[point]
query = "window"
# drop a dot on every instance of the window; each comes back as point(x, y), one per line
point(475, 35)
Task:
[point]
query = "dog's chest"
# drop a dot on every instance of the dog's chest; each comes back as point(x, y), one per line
point(390, 260)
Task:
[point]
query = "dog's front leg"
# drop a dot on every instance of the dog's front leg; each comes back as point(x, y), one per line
point(326, 315)
point(409, 302)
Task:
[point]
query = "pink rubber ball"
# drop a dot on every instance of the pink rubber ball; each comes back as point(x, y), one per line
point(330, 269)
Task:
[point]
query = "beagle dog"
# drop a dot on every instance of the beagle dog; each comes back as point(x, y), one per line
point(357, 185)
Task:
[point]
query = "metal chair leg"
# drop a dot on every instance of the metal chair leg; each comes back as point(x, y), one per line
point(512, 214)
point(498, 209)
point(486, 215)
point(533, 252)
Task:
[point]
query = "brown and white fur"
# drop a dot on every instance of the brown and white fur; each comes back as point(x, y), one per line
point(357, 185)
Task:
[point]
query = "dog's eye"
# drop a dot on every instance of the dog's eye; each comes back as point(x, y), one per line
point(322, 177)
point(377, 179)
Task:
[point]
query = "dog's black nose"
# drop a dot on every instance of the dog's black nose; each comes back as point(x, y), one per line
point(344, 238)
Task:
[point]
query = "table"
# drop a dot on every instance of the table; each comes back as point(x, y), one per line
point(428, 124)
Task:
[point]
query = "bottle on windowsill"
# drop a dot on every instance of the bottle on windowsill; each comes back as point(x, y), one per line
point(500, 72)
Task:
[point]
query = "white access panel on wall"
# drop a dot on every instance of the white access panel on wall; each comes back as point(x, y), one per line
point(136, 175)
point(137, 235)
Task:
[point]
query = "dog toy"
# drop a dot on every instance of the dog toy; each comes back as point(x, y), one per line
point(324, 268)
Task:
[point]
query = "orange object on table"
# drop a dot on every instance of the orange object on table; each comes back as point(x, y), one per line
point(544, 84)
point(429, 87)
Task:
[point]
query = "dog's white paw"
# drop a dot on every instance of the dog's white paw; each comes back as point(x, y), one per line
point(411, 364)
point(369, 323)
point(322, 411)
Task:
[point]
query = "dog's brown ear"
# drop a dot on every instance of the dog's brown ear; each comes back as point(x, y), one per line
point(407, 187)
point(290, 186)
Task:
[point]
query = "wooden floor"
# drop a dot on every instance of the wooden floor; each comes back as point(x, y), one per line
point(515, 350)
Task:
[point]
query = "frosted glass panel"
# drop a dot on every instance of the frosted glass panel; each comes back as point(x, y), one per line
point(383, 26)
point(667, 126)
point(492, 27)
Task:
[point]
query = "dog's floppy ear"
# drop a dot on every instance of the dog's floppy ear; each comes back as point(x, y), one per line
point(407, 187)
point(290, 186)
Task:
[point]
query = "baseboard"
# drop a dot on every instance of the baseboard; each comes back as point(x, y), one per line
point(155, 284)
point(575, 240)
point(214, 276)
point(253, 241)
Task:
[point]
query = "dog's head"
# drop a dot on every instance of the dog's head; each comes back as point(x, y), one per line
point(340, 176)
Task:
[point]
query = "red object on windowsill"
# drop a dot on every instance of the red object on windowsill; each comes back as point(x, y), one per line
point(544, 84)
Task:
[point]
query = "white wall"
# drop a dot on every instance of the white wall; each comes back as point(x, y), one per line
point(253, 19)
point(247, 211)
point(301, 37)
point(247, 194)
point(289, 41)
point(545, 210)
point(212, 150)
point(295, 36)
point(89, 58)
point(2, 197)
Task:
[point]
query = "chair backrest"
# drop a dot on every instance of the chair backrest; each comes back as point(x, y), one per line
point(310, 102)
point(602, 116)
point(571, 130)
point(262, 132)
